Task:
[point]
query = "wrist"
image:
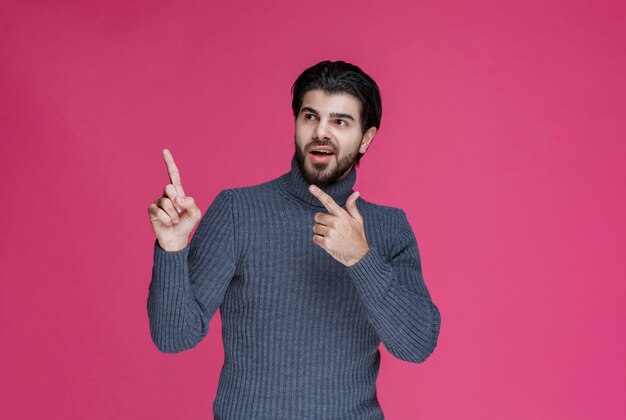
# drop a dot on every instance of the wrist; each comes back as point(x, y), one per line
point(358, 259)
point(173, 246)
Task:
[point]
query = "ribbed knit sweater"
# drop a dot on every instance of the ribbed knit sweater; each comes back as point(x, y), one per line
point(301, 331)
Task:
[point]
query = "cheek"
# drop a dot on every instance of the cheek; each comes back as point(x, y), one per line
point(351, 141)
point(302, 135)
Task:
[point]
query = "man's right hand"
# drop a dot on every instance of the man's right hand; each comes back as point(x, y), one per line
point(173, 215)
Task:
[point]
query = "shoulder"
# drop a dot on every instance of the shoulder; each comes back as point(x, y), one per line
point(248, 195)
point(387, 227)
point(387, 222)
point(260, 188)
point(380, 212)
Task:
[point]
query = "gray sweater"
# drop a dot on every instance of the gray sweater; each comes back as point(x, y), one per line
point(301, 331)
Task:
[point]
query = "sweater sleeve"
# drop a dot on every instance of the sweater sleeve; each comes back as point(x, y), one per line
point(189, 285)
point(395, 296)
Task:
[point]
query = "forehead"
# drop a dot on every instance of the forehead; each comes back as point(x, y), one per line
point(325, 103)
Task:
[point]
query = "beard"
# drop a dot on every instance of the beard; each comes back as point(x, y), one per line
point(320, 174)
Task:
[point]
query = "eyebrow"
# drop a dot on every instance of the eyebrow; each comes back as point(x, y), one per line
point(332, 114)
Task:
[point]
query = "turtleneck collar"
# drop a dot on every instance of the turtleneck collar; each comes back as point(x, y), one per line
point(294, 183)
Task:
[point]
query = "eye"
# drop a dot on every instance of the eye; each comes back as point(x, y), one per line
point(309, 117)
point(342, 123)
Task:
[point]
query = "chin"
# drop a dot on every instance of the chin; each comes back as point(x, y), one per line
point(321, 178)
point(322, 167)
point(320, 174)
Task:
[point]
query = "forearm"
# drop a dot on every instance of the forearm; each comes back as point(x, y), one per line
point(176, 321)
point(398, 306)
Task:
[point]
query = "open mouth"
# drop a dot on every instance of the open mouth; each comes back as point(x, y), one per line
point(320, 155)
point(321, 152)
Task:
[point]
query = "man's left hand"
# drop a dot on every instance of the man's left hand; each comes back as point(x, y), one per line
point(340, 232)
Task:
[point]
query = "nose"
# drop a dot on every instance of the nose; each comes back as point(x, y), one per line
point(321, 131)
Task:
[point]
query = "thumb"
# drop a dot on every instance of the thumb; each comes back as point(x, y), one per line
point(189, 204)
point(351, 206)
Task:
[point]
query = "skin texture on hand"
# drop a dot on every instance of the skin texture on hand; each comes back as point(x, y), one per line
point(173, 216)
point(340, 232)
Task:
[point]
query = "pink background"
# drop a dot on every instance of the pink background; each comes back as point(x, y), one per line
point(503, 138)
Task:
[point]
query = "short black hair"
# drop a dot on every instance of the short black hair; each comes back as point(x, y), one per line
point(341, 77)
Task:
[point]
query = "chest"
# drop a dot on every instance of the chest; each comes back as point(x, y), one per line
point(279, 264)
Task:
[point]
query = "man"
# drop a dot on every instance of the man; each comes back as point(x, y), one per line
point(309, 277)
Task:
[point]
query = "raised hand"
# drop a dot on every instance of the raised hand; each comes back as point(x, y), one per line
point(173, 216)
point(340, 232)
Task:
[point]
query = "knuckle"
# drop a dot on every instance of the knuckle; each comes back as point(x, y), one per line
point(153, 209)
point(169, 190)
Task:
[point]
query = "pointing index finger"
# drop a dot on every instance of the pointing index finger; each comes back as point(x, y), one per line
point(326, 200)
point(172, 169)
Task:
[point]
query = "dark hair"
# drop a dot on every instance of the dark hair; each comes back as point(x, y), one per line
point(341, 77)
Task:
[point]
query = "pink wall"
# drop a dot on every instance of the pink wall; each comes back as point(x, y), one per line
point(503, 138)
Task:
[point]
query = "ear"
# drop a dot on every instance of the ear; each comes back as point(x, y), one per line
point(367, 139)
